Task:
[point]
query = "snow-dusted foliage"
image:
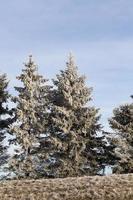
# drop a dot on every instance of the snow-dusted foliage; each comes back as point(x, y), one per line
point(31, 114)
point(5, 117)
point(73, 125)
point(122, 124)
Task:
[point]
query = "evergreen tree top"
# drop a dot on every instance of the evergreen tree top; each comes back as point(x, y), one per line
point(71, 63)
point(4, 98)
point(31, 63)
point(3, 86)
point(30, 76)
point(123, 118)
point(30, 70)
point(71, 86)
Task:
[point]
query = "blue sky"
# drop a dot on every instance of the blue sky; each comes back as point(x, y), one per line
point(98, 32)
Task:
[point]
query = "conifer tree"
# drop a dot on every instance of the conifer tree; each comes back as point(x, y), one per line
point(110, 158)
point(122, 125)
point(73, 125)
point(31, 112)
point(5, 116)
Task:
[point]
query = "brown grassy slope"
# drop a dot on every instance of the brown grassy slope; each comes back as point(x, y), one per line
point(116, 187)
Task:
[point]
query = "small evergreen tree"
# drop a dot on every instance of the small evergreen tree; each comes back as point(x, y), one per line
point(73, 125)
point(30, 127)
point(110, 158)
point(5, 117)
point(122, 125)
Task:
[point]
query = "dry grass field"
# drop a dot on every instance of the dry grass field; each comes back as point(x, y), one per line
point(115, 187)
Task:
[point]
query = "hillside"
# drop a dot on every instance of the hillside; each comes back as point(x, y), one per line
point(115, 187)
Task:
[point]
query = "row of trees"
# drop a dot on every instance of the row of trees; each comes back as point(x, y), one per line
point(55, 130)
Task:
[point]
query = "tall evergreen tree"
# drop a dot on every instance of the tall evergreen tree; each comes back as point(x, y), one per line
point(5, 116)
point(31, 112)
point(122, 125)
point(73, 125)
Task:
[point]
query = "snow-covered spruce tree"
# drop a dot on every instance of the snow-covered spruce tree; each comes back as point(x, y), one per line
point(122, 125)
point(5, 117)
point(32, 115)
point(74, 126)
